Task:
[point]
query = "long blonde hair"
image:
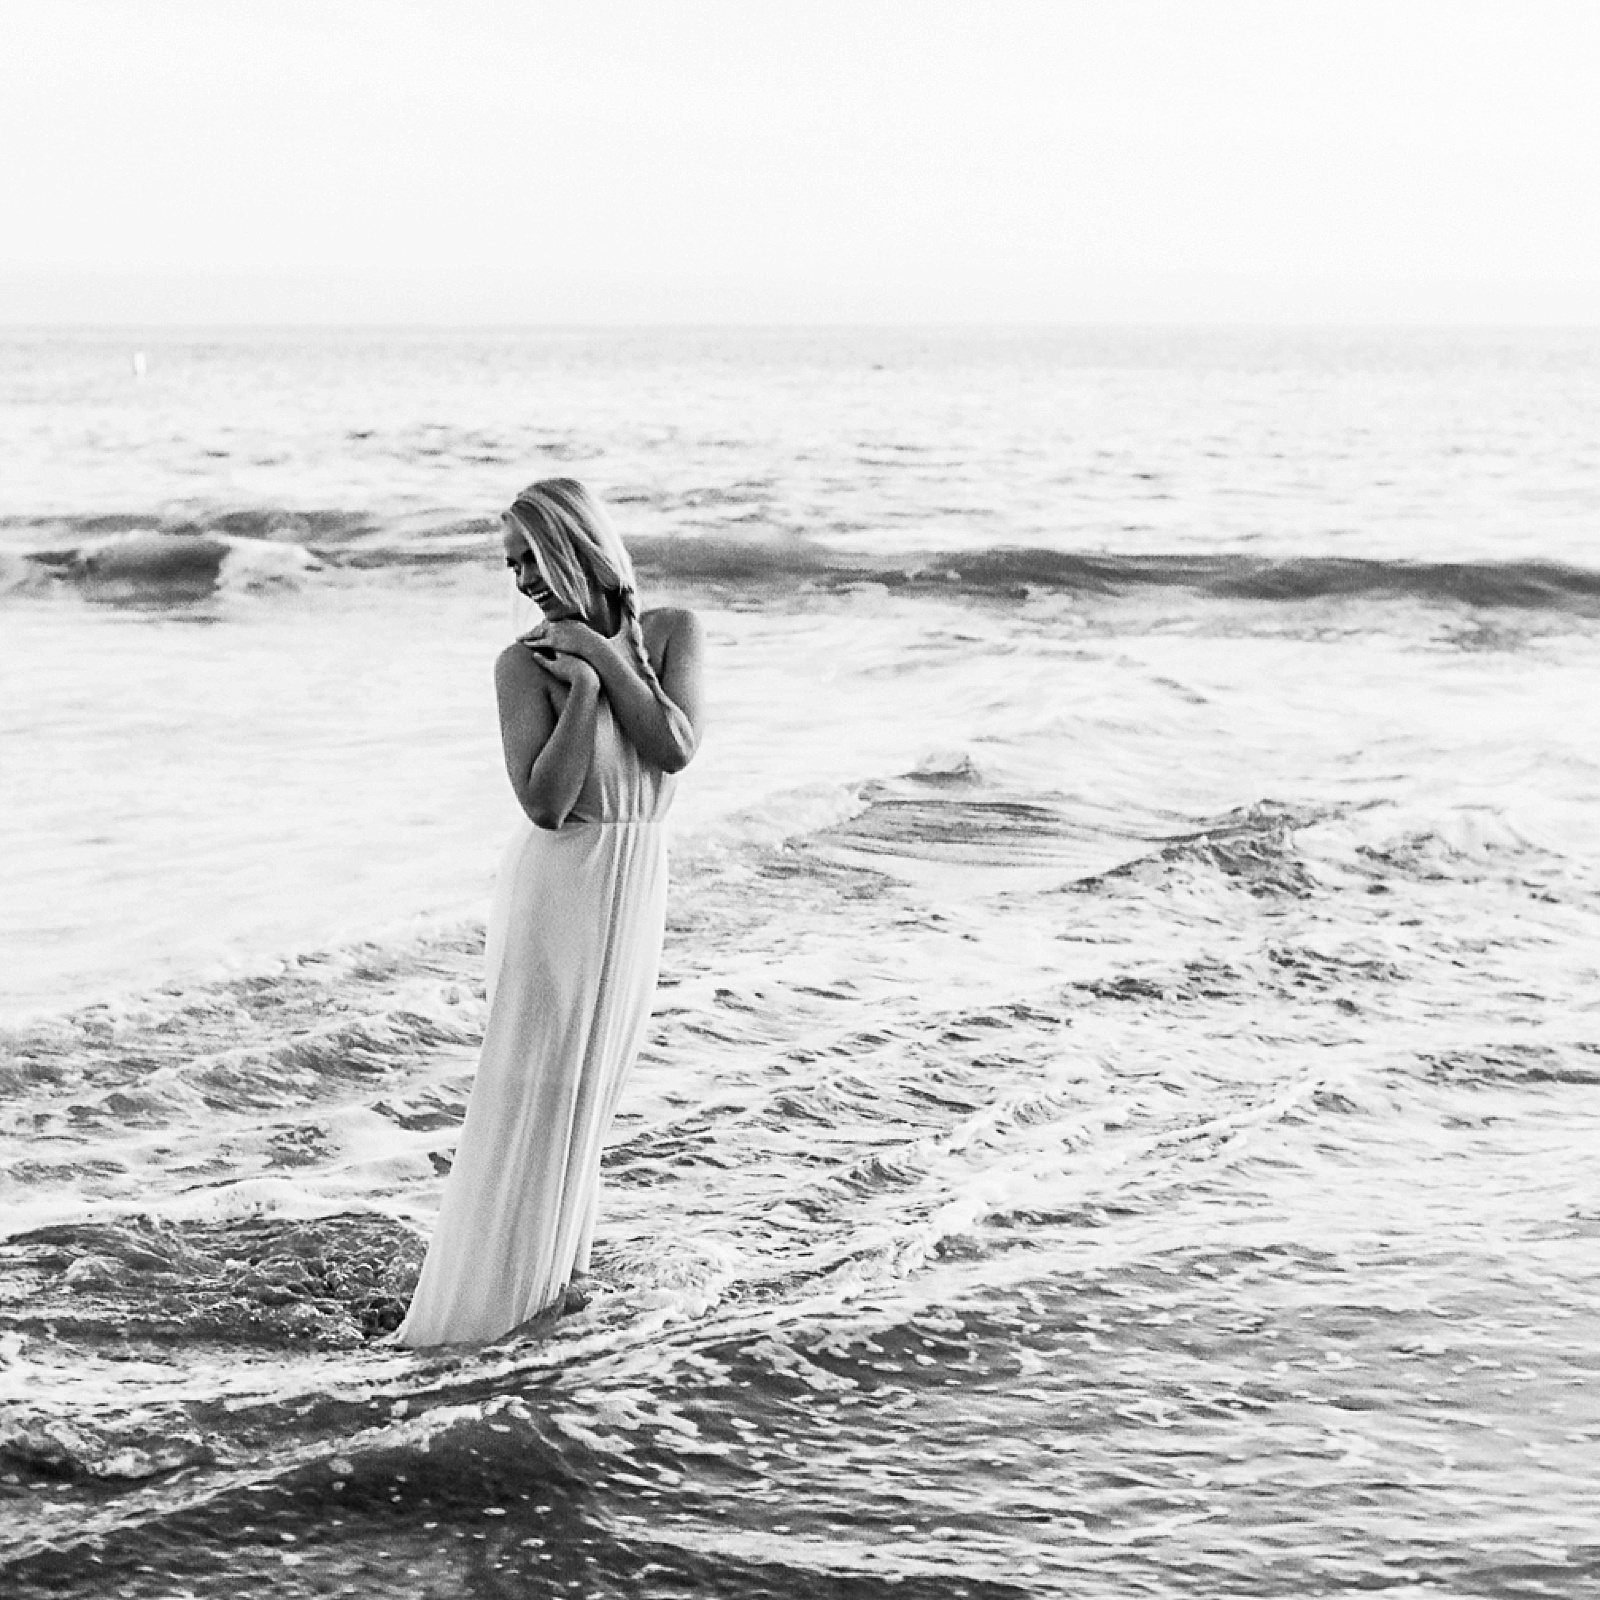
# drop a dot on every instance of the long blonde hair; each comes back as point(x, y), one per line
point(582, 559)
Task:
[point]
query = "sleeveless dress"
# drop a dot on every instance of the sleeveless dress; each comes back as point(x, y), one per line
point(573, 949)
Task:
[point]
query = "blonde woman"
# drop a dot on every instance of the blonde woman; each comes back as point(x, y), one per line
point(600, 708)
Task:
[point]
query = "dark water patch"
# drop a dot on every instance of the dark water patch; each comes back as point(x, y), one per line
point(301, 1145)
point(296, 1539)
point(1523, 585)
point(429, 1111)
point(1251, 847)
point(379, 1515)
point(739, 1472)
point(1483, 636)
point(329, 1282)
point(1128, 987)
point(1301, 967)
point(333, 1017)
point(1201, 979)
point(26, 1172)
point(977, 831)
point(796, 860)
point(325, 1062)
point(1470, 847)
point(1510, 1064)
point(1143, 989)
point(687, 1141)
point(57, 1451)
point(938, 812)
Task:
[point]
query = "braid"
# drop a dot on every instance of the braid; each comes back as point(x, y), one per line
point(628, 599)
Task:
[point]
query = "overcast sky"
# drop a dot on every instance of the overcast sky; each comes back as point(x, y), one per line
point(971, 160)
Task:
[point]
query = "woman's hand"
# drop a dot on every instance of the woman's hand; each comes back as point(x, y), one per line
point(571, 669)
point(548, 737)
point(569, 635)
point(661, 720)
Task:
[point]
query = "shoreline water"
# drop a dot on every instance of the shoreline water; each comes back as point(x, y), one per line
point(1121, 1106)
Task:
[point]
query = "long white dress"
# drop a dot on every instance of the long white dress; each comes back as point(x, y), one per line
point(573, 950)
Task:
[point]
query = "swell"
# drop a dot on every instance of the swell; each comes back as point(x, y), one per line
point(498, 1495)
point(134, 557)
point(1225, 575)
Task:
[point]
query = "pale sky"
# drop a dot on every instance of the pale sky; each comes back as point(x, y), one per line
point(800, 160)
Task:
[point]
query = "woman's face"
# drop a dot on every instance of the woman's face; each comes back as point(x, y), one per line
point(525, 571)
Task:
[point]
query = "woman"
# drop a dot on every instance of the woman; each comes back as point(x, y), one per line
point(599, 708)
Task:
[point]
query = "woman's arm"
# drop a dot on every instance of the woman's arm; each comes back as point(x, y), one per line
point(547, 749)
point(665, 734)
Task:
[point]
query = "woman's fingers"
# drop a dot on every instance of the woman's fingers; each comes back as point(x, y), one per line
point(561, 637)
point(562, 662)
point(567, 633)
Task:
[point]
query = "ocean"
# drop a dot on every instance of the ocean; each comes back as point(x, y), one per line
point(1122, 1110)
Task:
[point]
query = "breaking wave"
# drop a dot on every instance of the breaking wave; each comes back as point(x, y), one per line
point(129, 557)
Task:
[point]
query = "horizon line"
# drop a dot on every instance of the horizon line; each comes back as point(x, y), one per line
point(929, 325)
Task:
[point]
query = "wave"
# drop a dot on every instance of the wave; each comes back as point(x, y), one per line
point(1016, 572)
point(532, 1492)
point(145, 565)
point(917, 818)
point(132, 557)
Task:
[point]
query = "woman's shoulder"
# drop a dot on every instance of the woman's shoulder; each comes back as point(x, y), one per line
point(517, 664)
point(671, 637)
point(669, 622)
point(514, 657)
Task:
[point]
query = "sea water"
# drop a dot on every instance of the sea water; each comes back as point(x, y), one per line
point(1122, 1111)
